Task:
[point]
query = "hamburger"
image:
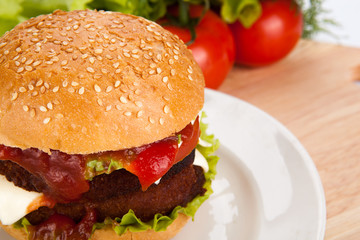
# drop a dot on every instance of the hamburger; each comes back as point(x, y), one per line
point(99, 129)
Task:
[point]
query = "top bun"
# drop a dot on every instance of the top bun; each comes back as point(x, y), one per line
point(87, 81)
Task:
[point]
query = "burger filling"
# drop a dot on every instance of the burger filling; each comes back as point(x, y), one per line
point(80, 191)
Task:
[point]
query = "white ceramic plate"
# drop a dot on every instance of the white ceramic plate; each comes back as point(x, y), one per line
point(267, 187)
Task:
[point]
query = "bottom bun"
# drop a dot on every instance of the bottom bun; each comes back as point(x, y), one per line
point(109, 234)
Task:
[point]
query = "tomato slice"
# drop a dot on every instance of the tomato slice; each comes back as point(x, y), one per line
point(189, 137)
point(154, 160)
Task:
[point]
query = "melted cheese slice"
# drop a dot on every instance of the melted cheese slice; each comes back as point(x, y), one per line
point(200, 160)
point(14, 201)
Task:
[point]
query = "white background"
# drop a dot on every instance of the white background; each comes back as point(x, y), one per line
point(347, 14)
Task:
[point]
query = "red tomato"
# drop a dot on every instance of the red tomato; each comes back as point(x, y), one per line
point(155, 159)
point(272, 36)
point(213, 48)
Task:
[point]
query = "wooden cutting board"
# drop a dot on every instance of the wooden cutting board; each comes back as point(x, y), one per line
point(314, 92)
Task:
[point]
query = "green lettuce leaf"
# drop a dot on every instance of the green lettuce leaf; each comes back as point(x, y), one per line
point(246, 11)
point(129, 222)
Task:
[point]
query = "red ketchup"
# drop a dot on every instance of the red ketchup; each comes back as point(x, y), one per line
point(60, 227)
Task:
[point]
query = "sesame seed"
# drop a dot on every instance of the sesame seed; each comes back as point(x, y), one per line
point(6, 52)
point(46, 120)
point(18, 49)
point(97, 76)
point(123, 99)
point(65, 43)
point(138, 103)
point(71, 90)
point(190, 78)
point(15, 58)
point(46, 85)
point(152, 65)
point(35, 93)
point(98, 51)
point(109, 88)
point(49, 62)
point(92, 60)
point(117, 83)
point(118, 107)
point(128, 114)
point(176, 57)
point(161, 121)
point(137, 91)
point(36, 63)
point(90, 70)
point(97, 88)
point(108, 108)
point(151, 120)
point(123, 89)
point(49, 105)
point(20, 69)
point(28, 68)
point(158, 70)
point(26, 108)
point(76, 27)
point(139, 113)
point(55, 89)
point(100, 102)
point(22, 89)
point(172, 72)
point(43, 109)
point(104, 70)
point(116, 65)
point(64, 62)
point(151, 72)
point(170, 87)
point(81, 90)
point(84, 56)
point(165, 79)
point(65, 83)
point(17, 63)
point(31, 87)
point(39, 83)
point(126, 54)
point(135, 56)
point(32, 112)
point(3, 44)
point(59, 115)
point(171, 61)
point(166, 109)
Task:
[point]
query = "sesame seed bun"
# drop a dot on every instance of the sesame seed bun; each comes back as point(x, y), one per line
point(87, 81)
point(109, 234)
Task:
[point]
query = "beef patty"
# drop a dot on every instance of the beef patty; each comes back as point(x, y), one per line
point(112, 195)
